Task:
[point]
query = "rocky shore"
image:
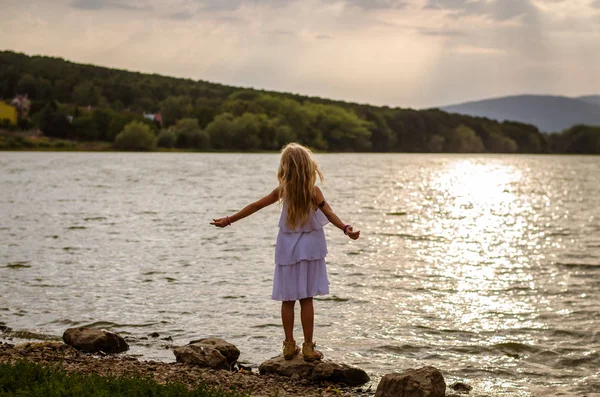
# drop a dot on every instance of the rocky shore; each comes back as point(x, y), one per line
point(213, 362)
point(72, 360)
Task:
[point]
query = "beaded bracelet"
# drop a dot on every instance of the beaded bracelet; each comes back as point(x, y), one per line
point(345, 228)
point(228, 221)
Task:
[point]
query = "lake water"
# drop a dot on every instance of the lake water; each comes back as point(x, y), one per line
point(487, 267)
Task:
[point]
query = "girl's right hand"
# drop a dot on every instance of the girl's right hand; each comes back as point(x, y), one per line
point(353, 234)
point(221, 222)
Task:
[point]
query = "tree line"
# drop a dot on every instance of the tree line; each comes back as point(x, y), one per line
point(91, 103)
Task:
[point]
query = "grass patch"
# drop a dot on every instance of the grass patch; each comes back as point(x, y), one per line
point(19, 142)
point(30, 379)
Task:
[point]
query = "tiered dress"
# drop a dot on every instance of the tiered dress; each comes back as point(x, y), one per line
point(300, 270)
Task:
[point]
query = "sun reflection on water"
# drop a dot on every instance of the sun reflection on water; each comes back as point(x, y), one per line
point(480, 218)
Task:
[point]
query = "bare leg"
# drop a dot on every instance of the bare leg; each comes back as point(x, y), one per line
point(287, 318)
point(307, 316)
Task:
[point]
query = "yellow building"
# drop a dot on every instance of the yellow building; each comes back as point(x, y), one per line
point(8, 112)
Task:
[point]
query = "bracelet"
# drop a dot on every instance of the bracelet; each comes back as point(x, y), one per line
point(345, 228)
point(228, 221)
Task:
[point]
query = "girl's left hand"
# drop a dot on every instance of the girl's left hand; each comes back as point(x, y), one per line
point(221, 222)
point(353, 234)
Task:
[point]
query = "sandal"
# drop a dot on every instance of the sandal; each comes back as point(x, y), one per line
point(290, 349)
point(310, 353)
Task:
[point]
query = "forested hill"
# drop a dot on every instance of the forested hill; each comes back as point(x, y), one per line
point(210, 116)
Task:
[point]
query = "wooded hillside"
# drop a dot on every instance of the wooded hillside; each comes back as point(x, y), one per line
point(206, 116)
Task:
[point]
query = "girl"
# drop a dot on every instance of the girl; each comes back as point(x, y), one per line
point(300, 250)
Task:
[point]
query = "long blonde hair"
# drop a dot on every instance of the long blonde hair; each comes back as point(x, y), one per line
point(297, 176)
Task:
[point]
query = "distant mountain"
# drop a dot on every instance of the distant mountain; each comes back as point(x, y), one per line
point(595, 99)
point(548, 113)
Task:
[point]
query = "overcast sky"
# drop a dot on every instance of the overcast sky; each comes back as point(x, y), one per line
point(409, 53)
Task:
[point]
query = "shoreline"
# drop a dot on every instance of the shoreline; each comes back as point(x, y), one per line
point(65, 357)
point(190, 151)
point(25, 142)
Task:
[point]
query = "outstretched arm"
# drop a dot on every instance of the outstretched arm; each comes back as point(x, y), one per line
point(332, 217)
point(248, 210)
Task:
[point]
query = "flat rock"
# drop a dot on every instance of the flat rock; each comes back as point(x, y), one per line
point(91, 340)
point(29, 346)
point(208, 353)
point(421, 382)
point(316, 371)
point(228, 350)
point(205, 357)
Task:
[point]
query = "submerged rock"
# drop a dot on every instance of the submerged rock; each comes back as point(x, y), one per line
point(461, 387)
point(316, 371)
point(421, 382)
point(208, 353)
point(91, 340)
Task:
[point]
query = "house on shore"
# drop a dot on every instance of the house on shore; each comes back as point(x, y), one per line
point(8, 112)
point(156, 117)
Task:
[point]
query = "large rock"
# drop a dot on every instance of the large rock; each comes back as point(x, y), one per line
point(91, 340)
point(229, 350)
point(421, 382)
point(209, 353)
point(315, 371)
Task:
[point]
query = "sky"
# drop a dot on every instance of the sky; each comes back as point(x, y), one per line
point(407, 53)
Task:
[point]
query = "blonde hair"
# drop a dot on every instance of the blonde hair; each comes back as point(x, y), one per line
point(297, 176)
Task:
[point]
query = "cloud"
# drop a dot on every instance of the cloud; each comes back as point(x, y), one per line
point(376, 4)
point(233, 5)
point(104, 4)
point(181, 16)
point(283, 32)
point(416, 53)
point(323, 37)
point(505, 25)
point(443, 32)
point(497, 10)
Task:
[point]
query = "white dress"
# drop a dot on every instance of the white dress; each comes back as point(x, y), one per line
point(300, 270)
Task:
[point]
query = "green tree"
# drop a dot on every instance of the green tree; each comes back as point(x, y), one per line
point(436, 144)
point(284, 134)
point(28, 85)
point(382, 137)
point(464, 140)
point(87, 94)
point(220, 131)
point(238, 107)
point(102, 119)
point(247, 131)
point(577, 139)
point(54, 123)
point(342, 129)
point(166, 139)
point(189, 135)
point(84, 129)
point(288, 112)
point(61, 90)
point(496, 143)
point(136, 136)
point(174, 108)
point(118, 121)
point(527, 137)
point(204, 115)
